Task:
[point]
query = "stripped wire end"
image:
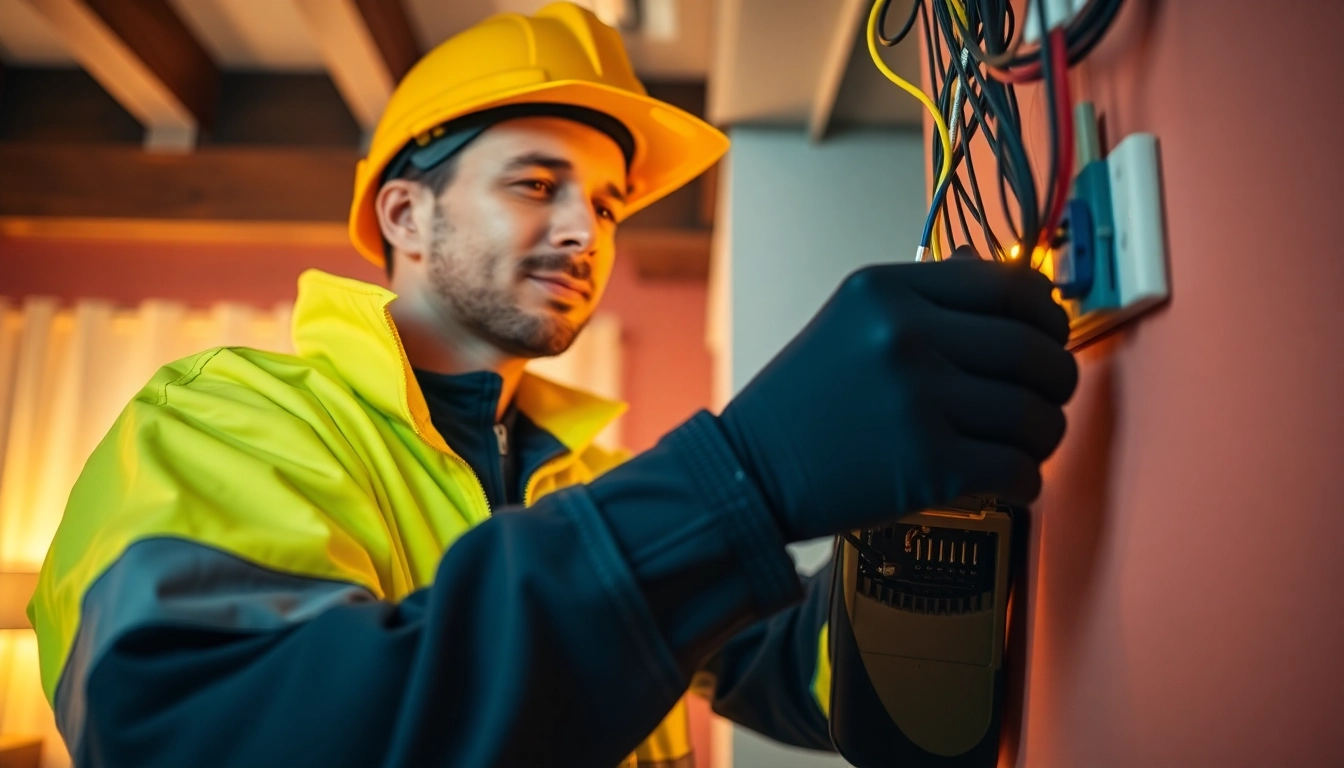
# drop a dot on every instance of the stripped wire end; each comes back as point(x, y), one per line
point(920, 253)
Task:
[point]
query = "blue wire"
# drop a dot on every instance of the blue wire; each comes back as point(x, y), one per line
point(933, 211)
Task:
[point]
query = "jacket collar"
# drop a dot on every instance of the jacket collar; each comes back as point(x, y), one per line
point(345, 324)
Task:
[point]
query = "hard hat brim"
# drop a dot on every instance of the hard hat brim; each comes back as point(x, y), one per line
point(672, 146)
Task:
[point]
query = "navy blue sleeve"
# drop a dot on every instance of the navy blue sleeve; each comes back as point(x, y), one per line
point(765, 677)
point(556, 635)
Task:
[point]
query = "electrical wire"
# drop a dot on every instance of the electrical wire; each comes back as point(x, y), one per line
point(1081, 37)
point(938, 196)
point(1001, 59)
point(961, 211)
point(976, 56)
point(1013, 162)
point(937, 74)
point(1064, 117)
point(1050, 73)
point(960, 11)
point(946, 221)
point(977, 113)
point(944, 91)
point(913, 91)
point(977, 204)
point(905, 28)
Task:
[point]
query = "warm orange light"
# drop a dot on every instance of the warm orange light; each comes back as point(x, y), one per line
point(1044, 262)
point(1015, 251)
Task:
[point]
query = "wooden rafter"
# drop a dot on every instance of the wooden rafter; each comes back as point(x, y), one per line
point(144, 55)
point(251, 195)
point(367, 46)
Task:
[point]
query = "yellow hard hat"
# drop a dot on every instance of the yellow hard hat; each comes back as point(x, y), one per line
point(563, 55)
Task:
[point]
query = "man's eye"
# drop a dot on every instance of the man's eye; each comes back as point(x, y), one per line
point(539, 185)
point(606, 213)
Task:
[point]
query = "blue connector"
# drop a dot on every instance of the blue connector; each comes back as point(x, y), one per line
point(1074, 260)
point(1085, 261)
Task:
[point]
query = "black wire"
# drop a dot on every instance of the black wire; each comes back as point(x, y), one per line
point(945, 99)
point(947, 223)
point(1015, 117)
point(980, 114)
point(1048, 75)
point(966, 132)
point(968, 31)
point(964, 197)
point(938, 55)
point(941, 84)
point(936, 150)
point(991, 239)
point(995, 113)
point(929, 45)
point(1014, 166)
point(1090, 38)
point(1003, 201)
point(1082, 35)
point(976, 206)
point(905, 28)
point(961, 212)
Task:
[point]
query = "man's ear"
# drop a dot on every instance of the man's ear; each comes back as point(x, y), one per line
point(396, 205)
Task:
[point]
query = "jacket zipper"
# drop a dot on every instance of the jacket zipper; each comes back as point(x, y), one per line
point(405, 386)
point(528, 490)
point(549, 466)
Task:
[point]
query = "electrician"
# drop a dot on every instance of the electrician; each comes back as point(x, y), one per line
point(397, 547)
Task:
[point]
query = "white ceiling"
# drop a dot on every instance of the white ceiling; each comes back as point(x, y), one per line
point(770, 60)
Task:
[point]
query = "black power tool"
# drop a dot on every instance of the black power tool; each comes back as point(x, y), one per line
point(918, 621)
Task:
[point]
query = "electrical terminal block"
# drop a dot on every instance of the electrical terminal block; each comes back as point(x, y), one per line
point(1109, 255)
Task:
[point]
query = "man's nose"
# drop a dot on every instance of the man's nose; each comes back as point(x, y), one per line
point(573, 225)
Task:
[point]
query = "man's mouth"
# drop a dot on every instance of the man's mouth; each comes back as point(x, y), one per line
point(562, 287)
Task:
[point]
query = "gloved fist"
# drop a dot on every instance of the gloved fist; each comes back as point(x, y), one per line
point(915, 383)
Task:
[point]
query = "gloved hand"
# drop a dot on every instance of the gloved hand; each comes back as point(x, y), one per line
point(914, 383)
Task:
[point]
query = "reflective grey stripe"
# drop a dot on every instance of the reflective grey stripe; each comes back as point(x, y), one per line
point(183, 583)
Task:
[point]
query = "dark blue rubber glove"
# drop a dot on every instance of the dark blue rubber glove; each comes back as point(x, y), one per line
point(915, 383)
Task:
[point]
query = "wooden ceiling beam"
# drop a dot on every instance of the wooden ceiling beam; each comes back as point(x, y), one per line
point(213, 183)
point(142, 53)
point(391, 31)
point(367, 46)
point(239, 194)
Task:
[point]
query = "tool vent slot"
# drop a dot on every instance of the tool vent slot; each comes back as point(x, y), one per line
point(929, 570)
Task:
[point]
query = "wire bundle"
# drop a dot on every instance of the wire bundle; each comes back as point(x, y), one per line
point(976, 57)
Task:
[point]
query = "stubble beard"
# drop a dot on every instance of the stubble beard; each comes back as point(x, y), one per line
point(466, 285)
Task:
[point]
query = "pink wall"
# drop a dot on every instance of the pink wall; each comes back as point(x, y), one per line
point(663, 322)
point(1185, 598)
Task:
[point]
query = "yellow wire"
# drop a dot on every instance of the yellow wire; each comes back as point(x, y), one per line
point(938, 121)
point(958, 9)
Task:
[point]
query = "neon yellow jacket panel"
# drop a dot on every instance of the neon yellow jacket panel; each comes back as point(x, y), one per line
point(323, 466)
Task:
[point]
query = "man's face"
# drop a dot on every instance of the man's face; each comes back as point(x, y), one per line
point(521, 242)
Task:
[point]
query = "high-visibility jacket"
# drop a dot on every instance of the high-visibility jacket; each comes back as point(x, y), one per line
point(251, 569)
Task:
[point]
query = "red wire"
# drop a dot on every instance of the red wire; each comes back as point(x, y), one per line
point(1022, 74)
point(1064, 116)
